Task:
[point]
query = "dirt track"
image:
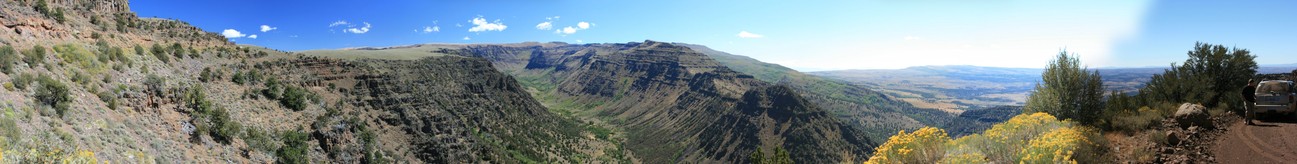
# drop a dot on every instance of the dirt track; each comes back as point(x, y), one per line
point(1272, 140)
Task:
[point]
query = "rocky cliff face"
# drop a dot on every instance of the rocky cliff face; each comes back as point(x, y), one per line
point(456, 109)
point(680, 105)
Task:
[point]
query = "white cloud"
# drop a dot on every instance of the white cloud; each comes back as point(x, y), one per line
point(467, 38)
point(567, 30)
point(545, 25)
point(265, 28)
point(254, 36)
point(338, 23)
point(427, 29)
point(231, 33)
point(360, 30)
point(583, 25)
point(579, 41)
point(480, 24)
point(746, 34)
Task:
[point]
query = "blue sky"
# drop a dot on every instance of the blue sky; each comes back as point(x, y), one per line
point(807, 36)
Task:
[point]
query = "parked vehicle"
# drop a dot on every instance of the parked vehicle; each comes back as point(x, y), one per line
point(1275, 96)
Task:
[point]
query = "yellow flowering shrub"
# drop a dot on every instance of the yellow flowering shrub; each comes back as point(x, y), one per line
point(1026, 138)
point(1003, 141)
point(81, 156)
point(971, 157)
point(1057, 146)
point(49, 156)
point(926, 145)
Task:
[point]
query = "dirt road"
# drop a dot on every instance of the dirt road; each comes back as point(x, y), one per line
point(1272, 140)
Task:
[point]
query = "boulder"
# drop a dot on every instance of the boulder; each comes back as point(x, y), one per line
point(1192, 115)
point(1172, 137)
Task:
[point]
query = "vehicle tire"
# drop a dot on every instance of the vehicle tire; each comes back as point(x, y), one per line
point(1292, 116)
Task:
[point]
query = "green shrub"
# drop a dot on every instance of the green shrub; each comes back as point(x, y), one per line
point(1068, 91)
point(372, 154)
point(295, 98)
point(781, 156)
point(160, 53)
point(237, 78)
point(206, 75)
point(8, 57)
point(80, 77)
point(155, 84)
point(1140, 119)
point(35, 56)
point(118, 55)
point(23, 80)
point(294, 149)
point(76, 55)
point(178, 50)
point(258, 139)
point(109, 98)
point(193, 53)
point(9, 127)
point(104, 53)
point(273, 89)
point(211, 118)
point(54, 94)
point(1212, 75)
point(225, 129)
point(44, 8)
point(139, 50)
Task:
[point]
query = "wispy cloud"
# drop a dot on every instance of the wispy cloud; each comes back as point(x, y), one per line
point(547, 25)
point(481, 25)
point(431, 29)
point(253, 36)
point(231, 33)
point(746, 34)
point(467, 38)
point(358, 30)
point(338, 23)
point(265, 28)
point(352, 27)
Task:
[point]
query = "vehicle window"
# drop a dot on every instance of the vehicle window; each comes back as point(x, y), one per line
point(1273, 88)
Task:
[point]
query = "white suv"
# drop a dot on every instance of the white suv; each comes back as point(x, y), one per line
point(1275, 96)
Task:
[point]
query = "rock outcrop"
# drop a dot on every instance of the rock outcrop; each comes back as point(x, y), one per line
point(1190, 114)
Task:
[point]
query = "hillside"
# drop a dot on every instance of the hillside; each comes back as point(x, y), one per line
point(90, 82)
